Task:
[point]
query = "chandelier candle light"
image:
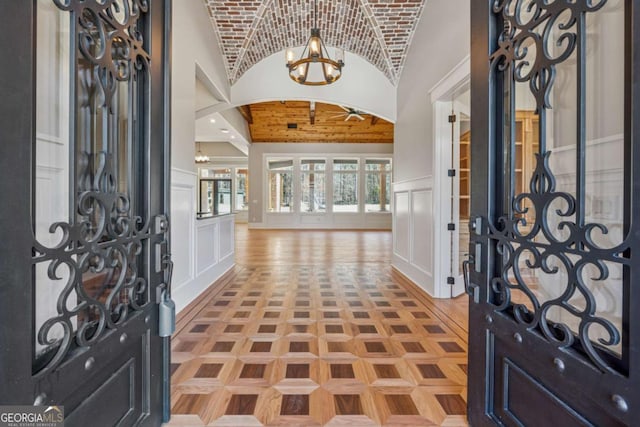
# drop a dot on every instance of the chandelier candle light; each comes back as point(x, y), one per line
point(201, 158)
point(315, 53)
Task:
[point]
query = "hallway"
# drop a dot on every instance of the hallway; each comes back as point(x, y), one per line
point(315, 328)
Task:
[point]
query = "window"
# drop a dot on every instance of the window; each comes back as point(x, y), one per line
point(280, 185)
point(312, 198)
point(242, 189)
point(345, 185)
point(378, 185)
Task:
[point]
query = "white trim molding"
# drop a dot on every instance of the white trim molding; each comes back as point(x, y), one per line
point(450, 82)
point(441, 95)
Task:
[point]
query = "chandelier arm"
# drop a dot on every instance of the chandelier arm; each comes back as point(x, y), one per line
point(305, 51)
point(323, 47)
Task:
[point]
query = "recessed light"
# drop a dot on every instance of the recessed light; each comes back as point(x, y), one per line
point(233, 136)
point(212, 120)
point(224, 130)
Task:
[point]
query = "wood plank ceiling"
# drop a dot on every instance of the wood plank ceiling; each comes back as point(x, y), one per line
point(302, 121)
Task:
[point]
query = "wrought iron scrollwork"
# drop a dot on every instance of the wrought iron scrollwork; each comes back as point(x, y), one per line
point(105, 241)
point(531, 27)
point(537, 36)
point(536, 249)
point(104, 238)
point(110, 38)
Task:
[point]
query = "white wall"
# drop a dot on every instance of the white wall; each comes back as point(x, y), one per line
point(440, 43)
point(221, 149)
point(257, 176)
point(361, 86)
point(193, 41)
point(197, 264)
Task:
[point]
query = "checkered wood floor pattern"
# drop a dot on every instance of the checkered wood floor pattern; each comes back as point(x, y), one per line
point(317, 345)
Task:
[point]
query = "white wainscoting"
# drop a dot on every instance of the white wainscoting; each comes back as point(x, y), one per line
point(202, 250)
point(183, 199)
point(207, 251)
point(413, 231)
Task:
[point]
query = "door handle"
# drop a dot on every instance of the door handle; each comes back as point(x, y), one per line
point(465, 270)
point(167, 264)
point(471, 289)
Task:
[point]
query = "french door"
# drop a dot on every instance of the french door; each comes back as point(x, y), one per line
point(554, 234)
point(83, 175)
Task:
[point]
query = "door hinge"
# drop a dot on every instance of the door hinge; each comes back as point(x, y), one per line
point(451, 280)
point(451, 172)
point(452, 118)
point(451, 226)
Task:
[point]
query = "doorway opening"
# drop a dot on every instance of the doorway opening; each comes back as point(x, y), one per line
point(451, 179)
point(460, 188)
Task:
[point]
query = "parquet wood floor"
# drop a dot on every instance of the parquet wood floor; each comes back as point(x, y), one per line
point(339, 338)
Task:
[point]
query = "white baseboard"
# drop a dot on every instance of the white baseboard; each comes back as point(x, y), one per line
point(418, 276)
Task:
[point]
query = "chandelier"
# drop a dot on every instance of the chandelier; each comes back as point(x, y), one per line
point(201, 158)
point(325, 70)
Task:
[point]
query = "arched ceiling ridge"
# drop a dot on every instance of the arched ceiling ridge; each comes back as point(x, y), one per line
point(379, 37)
point(250, 37)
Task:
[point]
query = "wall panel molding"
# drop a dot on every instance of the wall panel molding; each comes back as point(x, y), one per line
point(196, 244)
point(413, 230)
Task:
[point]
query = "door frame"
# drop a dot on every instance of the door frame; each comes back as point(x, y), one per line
point(18, 132)
point(440, 98)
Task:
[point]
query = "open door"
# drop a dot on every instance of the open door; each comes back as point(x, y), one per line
point(84, 262)
point(554, 225)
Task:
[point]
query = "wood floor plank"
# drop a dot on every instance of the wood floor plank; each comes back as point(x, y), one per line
point(315, 328)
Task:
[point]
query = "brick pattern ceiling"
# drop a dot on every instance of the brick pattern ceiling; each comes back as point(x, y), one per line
point(378, 30)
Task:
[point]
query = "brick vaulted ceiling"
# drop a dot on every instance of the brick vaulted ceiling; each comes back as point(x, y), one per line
point(378, 30)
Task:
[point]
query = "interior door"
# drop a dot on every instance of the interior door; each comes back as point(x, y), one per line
point(83, 166)
point(553, 336)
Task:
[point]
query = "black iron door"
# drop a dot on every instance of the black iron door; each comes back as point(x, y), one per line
point(555, 238)
point(83, 177)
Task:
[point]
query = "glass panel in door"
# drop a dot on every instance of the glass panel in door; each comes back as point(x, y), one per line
point(567, 185)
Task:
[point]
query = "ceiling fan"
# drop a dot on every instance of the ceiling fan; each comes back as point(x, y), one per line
point(350, 112)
